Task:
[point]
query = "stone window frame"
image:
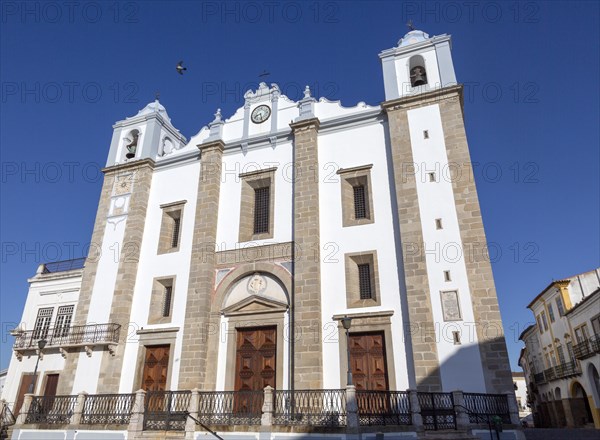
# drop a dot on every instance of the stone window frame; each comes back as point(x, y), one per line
point(349, 178)
point(367, 322)
point(250, 181)
point(170, 211)
point(352, 260)
point(157, 298)
point(150, 338)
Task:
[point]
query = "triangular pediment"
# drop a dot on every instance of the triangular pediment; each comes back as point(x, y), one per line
point(255, 304)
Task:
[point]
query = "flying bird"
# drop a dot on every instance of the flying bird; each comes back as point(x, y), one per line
point(180, 68)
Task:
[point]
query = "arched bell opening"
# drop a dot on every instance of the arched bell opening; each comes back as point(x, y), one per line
point(418, 73)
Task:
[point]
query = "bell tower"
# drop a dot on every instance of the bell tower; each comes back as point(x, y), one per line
point(418, 64)
point(445, 294)
point(145, 135)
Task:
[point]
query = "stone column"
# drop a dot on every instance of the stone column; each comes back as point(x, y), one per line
point(129, 257)
point(24, 409)
point(490, 333)
point(568, 413)
point(308, 356)
point(415, 409)
point(190, 424)
point(422, 333)
point(353, 423)
point(462, 418)
point(67, 375)
point(136, 422)
point(193, 370)
point(78, 411)
point(267, 408)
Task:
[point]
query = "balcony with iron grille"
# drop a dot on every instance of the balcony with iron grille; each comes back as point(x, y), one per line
point(539, 378)
point(63, 338)
point(562, 371)
point(587, 348)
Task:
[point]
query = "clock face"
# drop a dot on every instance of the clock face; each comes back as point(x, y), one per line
point(261, 114)
point(123, 185)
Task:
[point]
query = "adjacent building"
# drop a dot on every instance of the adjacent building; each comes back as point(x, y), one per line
point(561, 358)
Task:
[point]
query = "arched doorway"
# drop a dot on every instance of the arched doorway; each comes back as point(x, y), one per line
point(580, 406)
point(561, 419)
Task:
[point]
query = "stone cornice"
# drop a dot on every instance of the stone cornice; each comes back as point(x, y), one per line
point(43, 277)
point(127, 166)
point(305, 124)
point(258, 172)
point(426, 98)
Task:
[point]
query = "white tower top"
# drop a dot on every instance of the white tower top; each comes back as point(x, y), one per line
point(419, 63)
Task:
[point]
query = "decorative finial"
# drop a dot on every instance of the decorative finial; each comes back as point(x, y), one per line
point(156, 95)
point(218, 115)
point(307, 92)
point(411, 26)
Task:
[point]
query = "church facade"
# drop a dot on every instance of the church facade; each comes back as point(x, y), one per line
point(232, 260)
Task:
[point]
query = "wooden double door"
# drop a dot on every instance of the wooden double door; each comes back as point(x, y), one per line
point(368, 361)
point(156, 368)
point(256, 355)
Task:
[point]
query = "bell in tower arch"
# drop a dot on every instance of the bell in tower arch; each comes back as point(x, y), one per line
point(418, 76)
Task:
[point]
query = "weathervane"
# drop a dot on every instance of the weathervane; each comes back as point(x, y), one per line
point(156, 95)
point(411, 26)
point(264, 74)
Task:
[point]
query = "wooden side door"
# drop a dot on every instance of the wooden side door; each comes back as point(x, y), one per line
point(368, 361)
point(156, 366)
point(23, 389)
point(51, 385)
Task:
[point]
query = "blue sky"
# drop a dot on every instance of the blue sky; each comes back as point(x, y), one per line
point(530, 71)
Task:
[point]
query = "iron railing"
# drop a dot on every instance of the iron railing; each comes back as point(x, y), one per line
point(539, 377)
point(68, 336)
point(383, 408)
point(595, 343)
point(103, 409)
point(166, 410)
point(587, 347)
point(567, 369)
point(437, 410)
point(51, 409)
point(63, 266)
point(7, 418)
point(479, 404)
point(230, 407)
point(310, 407)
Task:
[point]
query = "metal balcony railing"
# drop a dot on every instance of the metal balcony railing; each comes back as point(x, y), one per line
point(539, 377)
point(77, 335)
point(583, 350)
point(563, 370)
point(595, 343)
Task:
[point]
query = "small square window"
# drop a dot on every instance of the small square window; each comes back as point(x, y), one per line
point(438, 223)
point(431, 177)
point(425, 134)
point(362, 279)
point(257, 205)
point(161, 300)
point(170, 229)
point(357, 200)
point(447, 276)
point(456, 337)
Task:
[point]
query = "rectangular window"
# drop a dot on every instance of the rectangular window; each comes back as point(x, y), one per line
point(360, 206)
point(447, 276)
point(261, 210)
point(540, 326)
point(42, 323)
point(431, 177)
point(559, 306)
point(175, 234)
point(581, 333)
point(357, 198)
point(544, 320)
point(425, 134)
point(364, 281)
point(438, 223)
point(166, 309)
point(550, 312)
point(596, 325)
point(570, 351)
point(63, 320)
point(170, 229)
point(561, 354)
